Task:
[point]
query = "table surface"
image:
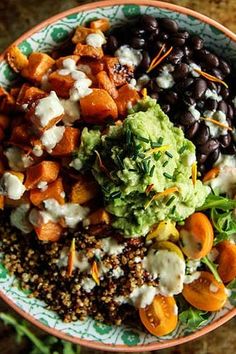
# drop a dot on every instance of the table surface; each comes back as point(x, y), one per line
point(16, 17)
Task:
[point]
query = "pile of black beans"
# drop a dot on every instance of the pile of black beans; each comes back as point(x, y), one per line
point(148, 34)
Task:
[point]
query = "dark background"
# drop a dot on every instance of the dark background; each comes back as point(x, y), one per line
point(16, 17)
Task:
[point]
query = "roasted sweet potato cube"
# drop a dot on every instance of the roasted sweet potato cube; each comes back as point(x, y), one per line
point(54, 190)
point(84, 190)
point(46, 171)
point(16, 59)
point(104, 82)
point(1, 202)
point(95, 65)
point(68, 142)
point(59, 61)
point(61, 84)
point(39, 64)
point(4, 121)
point(7, 101)
point(120, 74)
point(126, 96)
point(15, 203)
point(28, 94)
point(20, 135)
point(99, 216)
point(85, 50)
point(81, 33)
point(102, 24)
point(98, 106)
point(14, 92)
point(50, 231)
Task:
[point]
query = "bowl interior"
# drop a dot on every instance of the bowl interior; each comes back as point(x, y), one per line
point(48, 38)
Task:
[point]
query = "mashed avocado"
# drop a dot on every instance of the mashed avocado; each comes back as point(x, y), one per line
point(138, 159)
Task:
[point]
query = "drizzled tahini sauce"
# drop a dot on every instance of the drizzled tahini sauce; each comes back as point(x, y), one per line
point(48, 109)
point(52, 136)
point(11, 186)
point(128, 56)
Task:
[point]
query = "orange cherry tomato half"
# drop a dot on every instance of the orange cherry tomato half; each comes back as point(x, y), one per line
point(196, 236)
point(160, 318)
point(205, 293)
point(226, 261)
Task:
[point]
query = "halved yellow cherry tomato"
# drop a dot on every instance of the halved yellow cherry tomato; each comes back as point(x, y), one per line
point(205, 293)
point(196, 236)
point(169, 246)
point(160, 318)
point(165, 230)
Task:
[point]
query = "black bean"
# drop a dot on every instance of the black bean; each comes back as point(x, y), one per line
point(187, 119)
point(149, 22)
point(152, 86)
point(137, 42)
point(217, 73)
point(201, 158)
point(187, 52)
point(209, 146)
point(171, 97)
point(112, 44)
point(213, 156)
point(189, 101)
point(196, 42)
point(225, 140)
point(231, 149)
point(191, 131)
point(199, 89)
point(213, 86)
point(181, 86)
point(145, 62)
point(181, 70)
point(224, 67)
point(155, 47)
point(175, 56)
point(155, 95)
point(169, 25)
point(200, 54)
point(211, 60)
point(224, 91)
point(202, 169)
point(210, 104)
point(165, 107)
point(163, 36)
point(223, 107)
point(203, 134)
point(178, 41)
point(138, 31)
point(230, 113)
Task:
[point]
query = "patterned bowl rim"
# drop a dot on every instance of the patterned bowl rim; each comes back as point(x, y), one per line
point(58, 333)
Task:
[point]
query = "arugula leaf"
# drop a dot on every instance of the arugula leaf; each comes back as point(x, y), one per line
point(232, 287)
point(216, 201)
point(193, 318)
point(212, 267)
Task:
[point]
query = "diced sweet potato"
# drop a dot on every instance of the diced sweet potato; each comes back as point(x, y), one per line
point(83, 190)
point(54, 190)
point(59, 61)
point(46, 171)
point(2, 165)
point(14, 92)
point(102, 24)
point(85, 50)
point(39, 64)
point(2, 135)
point(20, 135)
point(7, 101)
point(126, 96)
point(12, 203)
point(17, 60)
point(120, 74)
point(81, 33)
point(4, 121)
point(68, 142)
point(28, 94)
point(98, 106)
point(49, 232)
point(61, 84)
point(104, 82)
point(95, 65)
point(99, 216)
point(1, 202)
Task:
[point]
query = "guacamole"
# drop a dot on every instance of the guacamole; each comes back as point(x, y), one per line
point(137, 159)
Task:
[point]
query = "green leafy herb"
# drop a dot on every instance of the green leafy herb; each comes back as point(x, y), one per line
point(169, 154)
point(165, 163)
point(232, 296)
point(181, 150)
point(152, 171)
point(157, 156)
point(167, 175)
point(170, 200)
point(216, 201)
point(193, 318)
point(142, 138)
point(212, 267)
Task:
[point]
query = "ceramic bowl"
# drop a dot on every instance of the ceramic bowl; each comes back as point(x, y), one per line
point(45, 37)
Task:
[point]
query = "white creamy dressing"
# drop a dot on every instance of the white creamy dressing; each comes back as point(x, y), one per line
point(190, 159)
point(48, 108)
point(225, 182)
point(88, 284)
point(52, 136)
point(117, 272)
point(168, 267)
point(111, 247)
point(81, 260)
point(12, 187)
point(192, 265)
point(234, 101)
point(42, 185)
point(192, 67)
point(96, 40)
point(142, 81)
point(39, 217)
point(226, 160)
point(81, 87)
point(213, 288)
point(19, 218)
point(71, 212)
point(195, 113)
point(37, 151)
point(189, 278)
point(165, 79)
point(132, 84)
point(17, 159)
point(72, 112)
point(215, 129)
point(137, 259)
point(128, 56)
point(143, 296)
point(213, 95)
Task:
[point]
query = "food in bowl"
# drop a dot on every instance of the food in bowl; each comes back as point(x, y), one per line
point(112, 212)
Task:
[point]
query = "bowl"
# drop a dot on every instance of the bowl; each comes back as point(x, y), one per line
point(45, 37)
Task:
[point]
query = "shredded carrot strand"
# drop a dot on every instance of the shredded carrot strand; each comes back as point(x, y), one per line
point(71, 258)
point(194, 173)
point(157, 149)
point(210, 77)
point(217, 123)
point(213, 173)
point(157, 60)
point(161, 194)
point(144, 92)
point(95, 273)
